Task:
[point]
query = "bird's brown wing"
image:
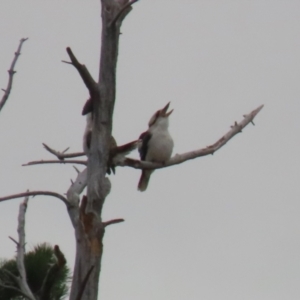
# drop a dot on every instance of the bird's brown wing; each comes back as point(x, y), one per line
point(145, 137)
point(89, 139)
point(88, 107)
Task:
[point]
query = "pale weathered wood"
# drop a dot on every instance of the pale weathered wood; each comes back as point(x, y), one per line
point(42, 162)
point(21, 251)
point(90, 230)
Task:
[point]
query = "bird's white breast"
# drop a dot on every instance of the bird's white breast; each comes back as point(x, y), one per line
point(160, 146)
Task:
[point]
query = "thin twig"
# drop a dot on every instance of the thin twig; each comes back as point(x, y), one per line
point(114, 221)
point(76, 170)
point(41, 162)
point(180, 158)
point(13, 240)
point(67, 62)
point(62, 155)
point(119, 13)
point(11, 73)
point(66, 150)
point(35, 193)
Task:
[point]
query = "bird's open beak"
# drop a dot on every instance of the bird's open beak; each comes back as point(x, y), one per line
point(164, 112)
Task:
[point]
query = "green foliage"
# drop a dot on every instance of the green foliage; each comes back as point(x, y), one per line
point(38, 263)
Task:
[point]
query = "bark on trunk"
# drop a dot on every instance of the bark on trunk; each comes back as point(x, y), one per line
point(89, 249)
point(88, 225)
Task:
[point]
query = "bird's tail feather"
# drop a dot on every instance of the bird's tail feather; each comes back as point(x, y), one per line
point(144, 180)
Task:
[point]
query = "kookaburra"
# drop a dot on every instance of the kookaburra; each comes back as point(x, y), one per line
point(157, 143)
point(116, 153)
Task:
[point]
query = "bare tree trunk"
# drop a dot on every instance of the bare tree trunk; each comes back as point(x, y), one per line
point(90, 231)
point(88, 255)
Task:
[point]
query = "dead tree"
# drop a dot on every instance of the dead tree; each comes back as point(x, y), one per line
point(85, 212)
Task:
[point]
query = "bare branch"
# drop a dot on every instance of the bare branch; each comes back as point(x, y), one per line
point(20, 280)
point(76, 170)
point(117, 153)
point(15, 278)
point(11, 238)
point(114, 221)
point(41, 162)
point(11, 73)
point(87, 78)
point(21, 250)
point(120, 12)
point(73, 196)
point(63, 155)
point(35, 193)
point(77, 188)
point(66, 150)
point(180, 158)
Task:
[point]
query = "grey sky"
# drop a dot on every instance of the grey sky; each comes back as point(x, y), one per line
point(220, 227)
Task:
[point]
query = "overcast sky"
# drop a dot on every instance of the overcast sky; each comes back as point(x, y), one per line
point(220, 227)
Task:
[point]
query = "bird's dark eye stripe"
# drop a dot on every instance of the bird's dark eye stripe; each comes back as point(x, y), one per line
point(154, 119)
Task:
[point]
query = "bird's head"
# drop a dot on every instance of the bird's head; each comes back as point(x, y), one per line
point(160, 116)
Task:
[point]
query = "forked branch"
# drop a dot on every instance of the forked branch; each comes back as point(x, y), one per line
point(77, 188)
point(180, 158)
point(121, 11)
point(62, 155)
point(11, 73)
point(87, 78)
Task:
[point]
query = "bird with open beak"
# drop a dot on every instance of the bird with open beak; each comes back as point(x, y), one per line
point(157, 143)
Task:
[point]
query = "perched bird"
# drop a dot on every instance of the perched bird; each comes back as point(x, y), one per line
point(116, 153)
point(87, 136)
point(157, 143)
